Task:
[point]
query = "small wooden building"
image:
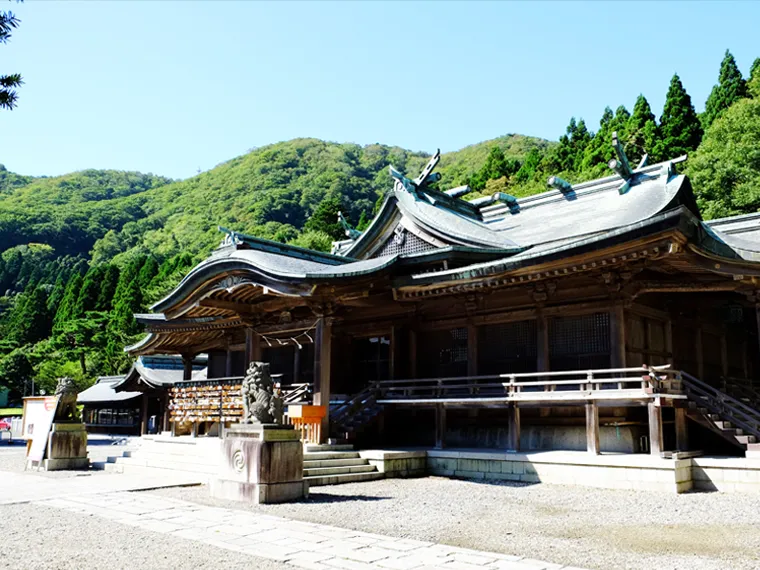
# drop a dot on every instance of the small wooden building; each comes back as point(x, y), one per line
point(605, 316)
point(132, 403)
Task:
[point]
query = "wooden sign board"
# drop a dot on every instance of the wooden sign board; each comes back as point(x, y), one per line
point(39, 412)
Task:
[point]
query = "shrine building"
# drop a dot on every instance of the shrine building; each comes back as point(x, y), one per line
point(605, 316)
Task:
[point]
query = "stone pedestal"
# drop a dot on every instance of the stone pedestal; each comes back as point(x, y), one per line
point(66, 447)
point(260, 463)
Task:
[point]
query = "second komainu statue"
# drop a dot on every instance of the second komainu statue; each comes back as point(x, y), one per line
point(262, 401)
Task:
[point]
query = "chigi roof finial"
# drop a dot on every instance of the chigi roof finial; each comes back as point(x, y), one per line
point(620, 164)
point(351, 232)
point(426, 177)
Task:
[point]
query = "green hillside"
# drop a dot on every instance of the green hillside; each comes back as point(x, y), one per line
point(80, 253)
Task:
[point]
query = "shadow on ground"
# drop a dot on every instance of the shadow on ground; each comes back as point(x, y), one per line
point(331, 498)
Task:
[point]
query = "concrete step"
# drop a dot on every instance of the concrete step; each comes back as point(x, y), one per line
point(723, 424)
point(129, 462)
point(347, 478)
point(313, 447)
point(142, 470)
point(334, 463)
point(321, 455)
point(326, 471)
point(198, 459)
point(745, 439)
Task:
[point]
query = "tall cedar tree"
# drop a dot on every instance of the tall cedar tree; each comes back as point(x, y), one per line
point(31, 322)
point(57, 293)
point(642, 131)
point(66, 310)
point(753, 83)
point(127, 301)
point(8, 83)
point(325, 218)
point(599, 151)
point(730, 88)
point(88, 294)
point(107, 288)
point(680, 129)
point(147, 272)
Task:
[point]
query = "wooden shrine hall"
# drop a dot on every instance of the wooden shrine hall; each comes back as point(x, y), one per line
point(605, 316)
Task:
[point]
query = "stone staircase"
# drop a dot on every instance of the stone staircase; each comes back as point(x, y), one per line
point(166, 454)
point(335, 464)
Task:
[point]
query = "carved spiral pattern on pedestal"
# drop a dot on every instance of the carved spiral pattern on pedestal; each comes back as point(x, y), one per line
point(238, 460)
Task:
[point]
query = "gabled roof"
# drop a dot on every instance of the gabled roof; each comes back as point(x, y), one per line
point(450, 239)
point(158, 372)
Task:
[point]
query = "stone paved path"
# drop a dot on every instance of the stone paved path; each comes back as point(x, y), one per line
point(301, 544)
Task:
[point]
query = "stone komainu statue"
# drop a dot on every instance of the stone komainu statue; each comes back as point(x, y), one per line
point(66, 391)
point(261, 402)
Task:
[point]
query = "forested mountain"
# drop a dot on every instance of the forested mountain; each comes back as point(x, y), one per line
point(80, 253)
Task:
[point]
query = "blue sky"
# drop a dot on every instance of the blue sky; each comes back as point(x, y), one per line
point(173, 87)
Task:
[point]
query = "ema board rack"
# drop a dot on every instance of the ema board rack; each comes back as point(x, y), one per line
point(206, 401)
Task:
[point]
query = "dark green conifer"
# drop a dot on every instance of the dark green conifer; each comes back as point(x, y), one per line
point(66, 309)
point(88, 294)
point(56, 295)
point(30, 322)
point(680, 129)
point(753, 83)
point(107, 288)
point(730, 88)
point(642, 131)
point(325, 218)
point(147, 272)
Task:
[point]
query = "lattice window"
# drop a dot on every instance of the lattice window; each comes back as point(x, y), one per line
point(443, 353)
point(405, 245)
point(508, 347)
point(579, 342)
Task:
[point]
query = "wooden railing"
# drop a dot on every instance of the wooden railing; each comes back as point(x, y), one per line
point(564, 385)
point(345, 410)
point(741, 389)
point(727, 407)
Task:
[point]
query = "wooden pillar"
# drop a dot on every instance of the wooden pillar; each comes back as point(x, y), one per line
point(412, 353)
point(724, 354)
point(187, 366)
point(655, 428)
point(669, 341)
point(187, 374)
point(472, 350)
point(617, 337)
point(393, 363)
point(297, 365)
point(143, 414)
point(322, 372)
point(592, 428)
point(542, 344)
point(165, 405)
point(252, 347)
point(698, 353)
point(682, 431)
point(440, 426)
point(513, 413)
point(228, 364)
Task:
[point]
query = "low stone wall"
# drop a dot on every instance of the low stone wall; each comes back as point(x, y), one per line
point(397, 463)
point(614, 439)
point(726, 474)
point(639, 471)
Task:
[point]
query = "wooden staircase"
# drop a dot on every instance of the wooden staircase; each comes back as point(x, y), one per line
point(335, 464)
point(723, 414)
point(350, 418)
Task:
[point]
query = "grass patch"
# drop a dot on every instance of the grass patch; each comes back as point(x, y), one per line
point(10, 412)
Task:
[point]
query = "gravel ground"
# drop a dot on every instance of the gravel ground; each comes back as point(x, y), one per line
point(48, 538)
point(591, 528)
